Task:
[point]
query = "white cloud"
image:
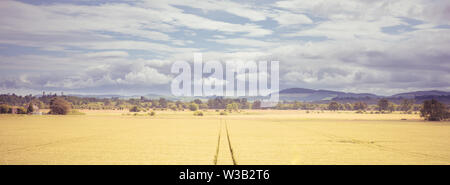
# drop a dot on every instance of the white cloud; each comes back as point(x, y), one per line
point(350, 30)
point(320, 44)
point(243, 42)
point(144, 76)
point(286, 18)
point(240, 9)
point(106, 54)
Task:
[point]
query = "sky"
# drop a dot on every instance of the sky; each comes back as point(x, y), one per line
point(127, 47)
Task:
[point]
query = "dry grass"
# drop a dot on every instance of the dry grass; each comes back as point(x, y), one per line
point(256, 137)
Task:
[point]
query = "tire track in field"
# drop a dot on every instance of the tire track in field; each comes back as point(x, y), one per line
point(64, 141)
point(58, 142)
point(229, 144)
point(372, 144)
point(218, 143)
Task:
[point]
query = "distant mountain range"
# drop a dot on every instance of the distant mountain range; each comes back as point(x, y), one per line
point(422, 93)
point(311, 95)
point(147, 96)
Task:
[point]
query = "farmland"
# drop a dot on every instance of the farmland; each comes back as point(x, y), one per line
point(248, 137)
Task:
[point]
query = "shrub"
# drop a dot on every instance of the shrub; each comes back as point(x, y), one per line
point(4, 109)
point(173, 107)
point(135, 109)
point(198, 113)
point(193, 107)
point(76, 112)
point(223, 113)
point(21, 110)
point(152, 113)
point(59, 106)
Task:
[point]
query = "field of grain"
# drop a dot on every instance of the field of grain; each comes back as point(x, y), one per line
point(249, 137)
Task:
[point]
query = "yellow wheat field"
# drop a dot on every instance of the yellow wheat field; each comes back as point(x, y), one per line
point(248, 137)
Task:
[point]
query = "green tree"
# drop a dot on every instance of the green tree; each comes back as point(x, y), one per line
point(233, 107)
point(361, 106)
point(297, 105)
point(59, 106)
point(348, 106)
point(433, 110)
point(334, 106)
point(162, 102)
point(256, 104)
point(198, 101)
point(406, 105)
point(383, 104)
point(392, 107)
point(30, 108)
point(203, 106)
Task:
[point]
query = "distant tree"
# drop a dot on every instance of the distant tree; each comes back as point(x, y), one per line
point(334, 106)
point(433, 110)
point(179, 104)
point(30, 108)
point(107, 102)
point(4, 109)
point(406, 105)
point(297, 105)
point(155, 104)
point(417, 107)
point(383, 104)
point(172, 106)
point(162, 102)
point(203, 106)
point(361, 106)
point(233, 107)
point(59, 106)
point(245, 105)
point(348, 106)
point(256, 104)
point(198, 101)
point(392, 107)
point(193, 107)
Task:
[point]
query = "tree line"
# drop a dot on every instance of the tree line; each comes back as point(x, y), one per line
point(62, 104)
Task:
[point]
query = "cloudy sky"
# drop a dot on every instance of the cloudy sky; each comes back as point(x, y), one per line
point(127, 47)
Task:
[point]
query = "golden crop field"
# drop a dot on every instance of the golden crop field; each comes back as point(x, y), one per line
point(249, 137)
